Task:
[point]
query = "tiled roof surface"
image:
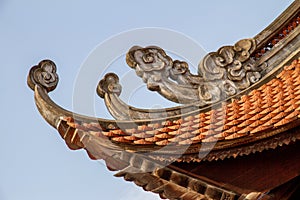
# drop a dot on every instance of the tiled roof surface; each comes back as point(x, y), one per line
point(271, 106)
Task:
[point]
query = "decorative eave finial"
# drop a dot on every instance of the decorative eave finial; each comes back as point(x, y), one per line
point(44, 74)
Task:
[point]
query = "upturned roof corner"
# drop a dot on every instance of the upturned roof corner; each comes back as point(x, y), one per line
point(243, 106)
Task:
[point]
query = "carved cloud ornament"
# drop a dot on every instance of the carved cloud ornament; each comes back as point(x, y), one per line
point(43, 74)
point(221, 74)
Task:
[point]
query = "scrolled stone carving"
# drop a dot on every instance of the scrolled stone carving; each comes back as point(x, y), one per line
point(221, 74)
point(151, 64)
point(109, 84)
point(43, 74)
point(232, 63)
point(181, 74)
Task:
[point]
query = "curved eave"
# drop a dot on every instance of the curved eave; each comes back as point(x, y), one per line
point(270, 138)
point(118, 135)
point(75, 128)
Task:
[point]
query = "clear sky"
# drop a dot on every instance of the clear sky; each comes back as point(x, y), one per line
point(35, 162)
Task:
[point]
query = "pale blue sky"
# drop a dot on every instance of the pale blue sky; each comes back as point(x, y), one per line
point(35, 162)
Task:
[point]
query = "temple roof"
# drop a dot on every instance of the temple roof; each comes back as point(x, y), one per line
point(244, 100)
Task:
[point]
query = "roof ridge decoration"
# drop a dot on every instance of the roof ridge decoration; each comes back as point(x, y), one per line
point(220, 74)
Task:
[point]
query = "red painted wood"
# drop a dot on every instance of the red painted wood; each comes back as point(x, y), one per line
point(257, 172)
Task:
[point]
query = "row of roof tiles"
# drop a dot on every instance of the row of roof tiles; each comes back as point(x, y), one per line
point(272, 105)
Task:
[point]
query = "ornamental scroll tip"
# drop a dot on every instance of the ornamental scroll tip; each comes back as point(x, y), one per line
point(108, 85)
point(44, 74)
point(151, 63)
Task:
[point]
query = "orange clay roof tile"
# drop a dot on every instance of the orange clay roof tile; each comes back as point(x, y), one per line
point(153, 139)
point(284, 121)
point(131, 138)
point(120, 139)
point(143, 135)
point(186, 142)
point(108, 134)
point(235, 135)
point(162, 143)
point(256, 123)
point(142, 142)
point(198, 138)
point(245, 130)
point(163, 136)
